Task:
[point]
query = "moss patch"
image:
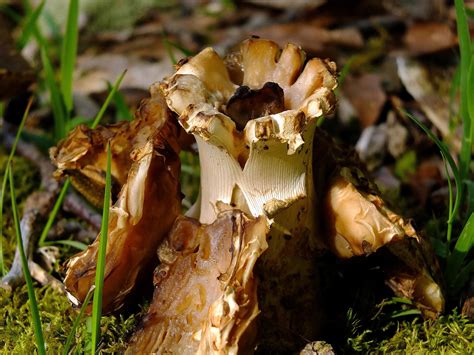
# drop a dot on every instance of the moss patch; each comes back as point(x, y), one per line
point(57, 317)
point(450, 334)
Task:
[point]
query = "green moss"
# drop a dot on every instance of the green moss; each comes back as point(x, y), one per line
point(450, 334)
point(57, 316)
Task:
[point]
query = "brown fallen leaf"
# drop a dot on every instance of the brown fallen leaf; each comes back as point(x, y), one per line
point(288, 4)
point(205, 298)
point(429, 37)
point(94, 71)
point(367, 95)
point(419, 82)
point(314, 39)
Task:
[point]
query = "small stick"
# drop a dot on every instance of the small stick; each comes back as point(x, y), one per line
point(75, 204)
point(37, 207)
point(44, 278)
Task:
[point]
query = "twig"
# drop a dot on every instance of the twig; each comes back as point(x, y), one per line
point(65, 228)
point(37, 205)
point(75, 204)
point(44, 278)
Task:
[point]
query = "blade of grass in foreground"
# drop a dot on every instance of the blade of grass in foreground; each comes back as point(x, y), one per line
point(68, 54)
point(72, 333)
point(100, 269)
point(4, 182)
point(24, 262)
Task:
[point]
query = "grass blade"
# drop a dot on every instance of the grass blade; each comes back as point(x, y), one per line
point(462, 278)
point(453, 91)
point(54, 212)
point(30, 25)
point(68, 54)
point(71, 243)
point(448, 160)
point(465, 50)
point(470, 196)
point(107, 100)
point(4, 182)
point(408, 312)
point(122, 111)
point(100, 269)
point(72, 333)
point(169, 45)
point(24, 262)
point(468, 140)
point(461, 249)
point(57, 104)
point(76, 121)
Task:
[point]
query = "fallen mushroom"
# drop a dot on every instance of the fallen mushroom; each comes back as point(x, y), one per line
point(254, 116)
point(82, 155)
point(144, 212)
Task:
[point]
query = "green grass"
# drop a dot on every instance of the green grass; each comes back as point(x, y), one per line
point(29, 27)
point(4, 181)
point(458, 270)
point(122, 111)
point(466, 84)
point(456, 274)
point(68, 55)
point(111, 94)
point(78, 319)
point(170, 45)
point(26, 272)
point(100, 268)
point(57, 104)
point(54, 212)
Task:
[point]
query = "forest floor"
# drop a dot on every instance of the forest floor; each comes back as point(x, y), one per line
point(392, 56)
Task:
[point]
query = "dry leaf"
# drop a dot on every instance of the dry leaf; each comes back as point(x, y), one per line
point(367, 95)
point(429, 37)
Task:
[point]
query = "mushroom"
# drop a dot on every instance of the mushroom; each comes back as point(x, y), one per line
point(268, 176)
point(254, 117)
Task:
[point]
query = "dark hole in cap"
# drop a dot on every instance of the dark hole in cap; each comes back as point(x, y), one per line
point(247, 104)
